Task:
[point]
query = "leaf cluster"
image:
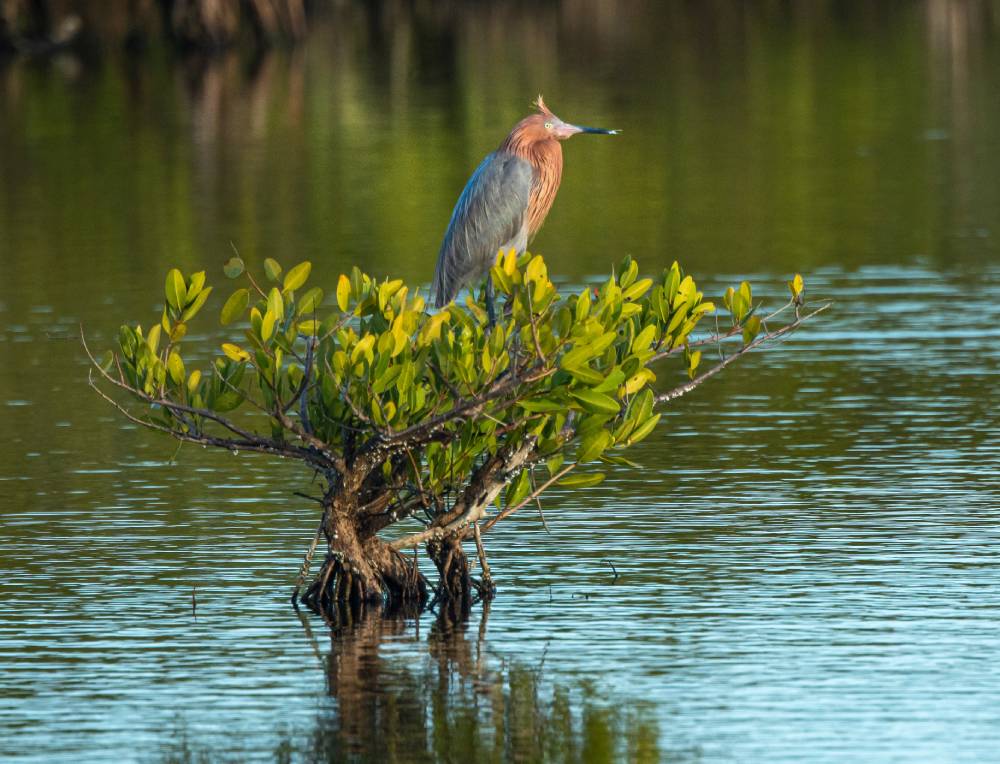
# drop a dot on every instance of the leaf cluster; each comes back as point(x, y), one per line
point(369, 379)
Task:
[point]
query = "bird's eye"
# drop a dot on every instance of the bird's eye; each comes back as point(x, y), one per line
point(548, 125)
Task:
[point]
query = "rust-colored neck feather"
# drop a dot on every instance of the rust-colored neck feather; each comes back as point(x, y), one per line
point(530, 141)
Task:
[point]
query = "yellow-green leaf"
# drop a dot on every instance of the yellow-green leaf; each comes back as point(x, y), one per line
point(267, 325)
point(235, 352)
point(637, 290)
point(363, 348)
point(153, 338)
point(176, 367)
point(197, 282)
point(343, 292)
point(586, 374)
point(235, 306)
point(581, 480)
point(592, 446)
point(693, 360)
point(194, 380)
point(611, 382)
point(795, 286)
point(199, 301)
point(176, 290)
point(271, 269)
point(297, 276)
point(637, 381)
point(598, 403)
point(276, 304)
point(644, 339)
point(178, 332)
point(310, 301)
point(643, 430)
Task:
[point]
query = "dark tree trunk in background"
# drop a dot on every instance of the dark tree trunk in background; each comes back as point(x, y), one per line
point(198, 24)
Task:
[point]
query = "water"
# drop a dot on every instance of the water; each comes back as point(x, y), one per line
point(807, 560)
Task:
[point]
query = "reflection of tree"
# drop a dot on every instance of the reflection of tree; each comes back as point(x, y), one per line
point(458, 703)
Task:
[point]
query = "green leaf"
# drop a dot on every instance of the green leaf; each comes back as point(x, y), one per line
point(153, 338)
point(267, 325)
point(593, 445)
point(276, 304)
point(597, 403)
point(583, 305)
point(586, 374)
point(582, 480)
point(518, 489)
point(554, 464)
point(176, 290)
point(297, 276)
point(199, 301)
point(176, 367)
point(576, 358)
point(643, 430)
point(310, 301)
point(693, 360)
point(611, 382)
point(271, 269)
point(751, 329)
point(234, 267)
point(227, 401)
point(621, 461)
point(644, 339)
point(196, 285)
point(637, 290)
point(628, 275)
point(541, 405)
point(235, 306)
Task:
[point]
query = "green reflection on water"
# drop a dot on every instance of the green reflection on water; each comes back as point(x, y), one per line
point(447, 697)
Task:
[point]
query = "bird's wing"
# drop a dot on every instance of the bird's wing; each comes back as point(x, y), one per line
point(489, 213)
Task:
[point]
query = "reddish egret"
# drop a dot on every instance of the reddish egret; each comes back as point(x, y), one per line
point(504, 203)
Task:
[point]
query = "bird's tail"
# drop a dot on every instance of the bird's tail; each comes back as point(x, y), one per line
point(441, 291)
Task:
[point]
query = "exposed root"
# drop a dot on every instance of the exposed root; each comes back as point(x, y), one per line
point(453, 570)
point(374, 574)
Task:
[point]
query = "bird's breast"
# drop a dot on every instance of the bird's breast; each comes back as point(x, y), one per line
point(547, 165)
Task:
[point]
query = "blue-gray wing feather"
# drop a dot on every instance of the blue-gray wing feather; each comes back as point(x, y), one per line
point(489, 213)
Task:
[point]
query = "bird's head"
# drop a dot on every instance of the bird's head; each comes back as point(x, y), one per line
point(546, 126)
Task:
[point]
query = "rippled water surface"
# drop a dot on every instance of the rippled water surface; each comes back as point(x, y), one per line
point(808, 564)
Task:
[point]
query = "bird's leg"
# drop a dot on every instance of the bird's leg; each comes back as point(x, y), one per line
point(490, 311)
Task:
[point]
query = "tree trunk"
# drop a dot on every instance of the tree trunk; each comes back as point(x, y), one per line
point(360, 567)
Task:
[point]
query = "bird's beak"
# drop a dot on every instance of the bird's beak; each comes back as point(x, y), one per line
point(564, 130)
point(596, 130)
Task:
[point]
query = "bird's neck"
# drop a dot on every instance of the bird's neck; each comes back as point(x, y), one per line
point(545, 158)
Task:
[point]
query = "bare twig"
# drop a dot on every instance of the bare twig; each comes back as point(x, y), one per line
point(680, 390)
point(534, 495)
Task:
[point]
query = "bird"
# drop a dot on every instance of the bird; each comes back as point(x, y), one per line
point(504, 203)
